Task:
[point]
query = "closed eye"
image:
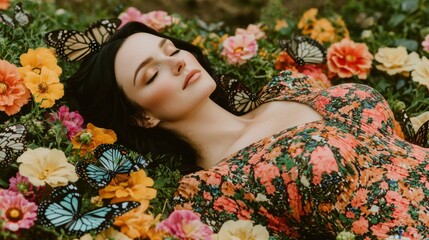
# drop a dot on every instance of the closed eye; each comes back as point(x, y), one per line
point(175, 52)
point(152, 78)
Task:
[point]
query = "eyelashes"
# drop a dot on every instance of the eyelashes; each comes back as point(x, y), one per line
point(156, 74)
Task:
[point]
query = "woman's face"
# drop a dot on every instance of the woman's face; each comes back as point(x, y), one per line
point(168, 83)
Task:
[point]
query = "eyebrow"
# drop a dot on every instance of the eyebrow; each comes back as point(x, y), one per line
point(146, 61)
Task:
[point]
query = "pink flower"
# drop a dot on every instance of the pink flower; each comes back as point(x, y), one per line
point(16, 211)
point(21, 184)
point(253, 29)
point(71, 120)
point(185, 224)
point(157, 20)
point(361, 226)
point(425, 44)
point(132, 14)
point(13, 93)
point(323, 161)
point(347, 58)
point(239, 49)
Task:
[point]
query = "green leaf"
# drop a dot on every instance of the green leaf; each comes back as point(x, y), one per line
point(410, 44)
point(396, 19)
point(410, 5)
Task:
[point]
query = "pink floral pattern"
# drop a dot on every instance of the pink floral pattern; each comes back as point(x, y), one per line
point(349, 171)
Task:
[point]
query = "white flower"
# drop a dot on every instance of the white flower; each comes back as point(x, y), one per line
point(396, 60)
point(241, 230)
point(419, 120)
point(421, 72)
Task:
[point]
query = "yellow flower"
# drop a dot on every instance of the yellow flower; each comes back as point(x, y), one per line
point(280, 24)
point(34, 60)
point(323, 31)
point(89, 139)
point(46, 87)
point(341, 29)
point(307, 20)
point(421, 72)
point(419, 120)
point(137, 224)
point(46, 166)
point(241, 230)
point(396, 60)
point(135, 187)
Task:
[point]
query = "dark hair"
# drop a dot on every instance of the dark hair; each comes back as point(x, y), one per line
point(93, 90)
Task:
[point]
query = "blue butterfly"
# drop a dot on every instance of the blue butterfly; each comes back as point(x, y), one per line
point(63, 210)
point(112, 159)
point(12, 143)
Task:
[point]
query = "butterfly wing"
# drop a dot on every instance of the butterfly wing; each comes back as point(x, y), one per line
point(240, 99)
point(12, 143)
point(421, 136)
point(74, 45)
point(61, 209)
point(96, 176)
point(5, 19)
point(21, 18)
point(304, 50)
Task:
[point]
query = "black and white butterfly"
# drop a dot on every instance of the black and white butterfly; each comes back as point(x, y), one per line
point(73, 45)
point(20, 18)
point(240, 98)
point(304, 50)
point(419, 137)
point(12, 143)
point(112, 159)
point(63, 210)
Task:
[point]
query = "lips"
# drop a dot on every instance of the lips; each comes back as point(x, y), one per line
point(191, 76)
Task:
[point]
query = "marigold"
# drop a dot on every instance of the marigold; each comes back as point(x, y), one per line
point(323, 31)
point(396, 60)
point(89, 139)
point(347, 58)
point(16, 211)
point(138, 224)
point(241, 230)
point(35, 59)
point(280, 24)
point(45, 87)
point(307, 20)
point(13, 93)
point(136, 187)
point(46, 166)
point(421, 72)
point(239, 49)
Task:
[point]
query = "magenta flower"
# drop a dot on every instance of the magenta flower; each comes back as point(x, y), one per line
point(20, 184)
point(71, 120)
point(425, 44)
point(16, 211)
point(132, 14)
point(185, 224)
point(239, 49)
point(157, 20)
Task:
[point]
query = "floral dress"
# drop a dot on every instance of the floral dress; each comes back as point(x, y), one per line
point(347, 172)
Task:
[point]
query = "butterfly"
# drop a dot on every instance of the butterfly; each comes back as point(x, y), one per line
point(73, 45)
point(12, 143)
point(20, 18)
point(419, 137)
point(63, 210)
point(112, 159)
point(239, 97)
point(211, 27)
point(304, 50)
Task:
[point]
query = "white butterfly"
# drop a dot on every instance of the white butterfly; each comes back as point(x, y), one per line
point(20, 18)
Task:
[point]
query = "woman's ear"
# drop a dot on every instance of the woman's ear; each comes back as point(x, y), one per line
point(145, 121)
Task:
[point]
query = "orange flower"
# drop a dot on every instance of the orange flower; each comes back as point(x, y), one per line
point(361, 226)
point(307, 20)
point(323, 31)
point(360, 198)
point(34, 60)
point(4, 4)
point(341, 30)
point(280, 24)
point(45, 87)
point(285, 62)
point(13, 93)
point(136, 187)
point(347, 58)
point(137, 224)
point(88, 139)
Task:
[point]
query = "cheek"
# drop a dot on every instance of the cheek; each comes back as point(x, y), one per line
point(158, 98)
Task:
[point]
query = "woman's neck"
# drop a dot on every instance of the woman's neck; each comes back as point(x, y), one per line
point(211, 130)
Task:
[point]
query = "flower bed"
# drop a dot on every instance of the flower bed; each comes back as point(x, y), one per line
point(386, 51)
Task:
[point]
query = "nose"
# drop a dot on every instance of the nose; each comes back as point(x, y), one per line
point(178, 67)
